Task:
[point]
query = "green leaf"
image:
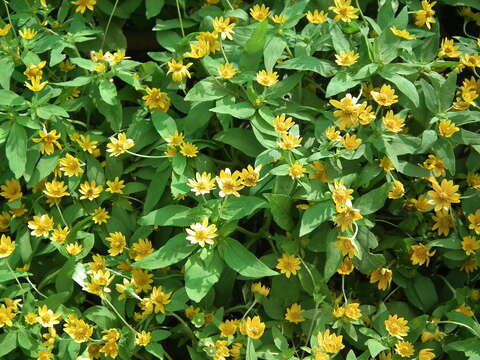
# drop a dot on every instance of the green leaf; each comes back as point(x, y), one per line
point(243, 261)
point(273, 51)
point(280, 207)
point(205, 90)
point(375, 347)
point(341, 82)
point(334, 257)
point(79, 81)
point(8, 98)
point(241, 139)
point(164, 124)
point(7, 65)
point(153, 7)
point(113, 113)
point(309, 63)
point(16, 149)
point(101, 316)
point(241, 207)
point(447, 91)
point(443, 149)
point(201, 274)
point(242, 110)
point(315, 216)
point(253, 48)
point(174, 250)
point(174, 215)
point(48, 111)
point(8, 341)
point(404, 85)
point(426, 292)
point(373, 200)
point(250, 352)
point(468, 346)
point(108, 92)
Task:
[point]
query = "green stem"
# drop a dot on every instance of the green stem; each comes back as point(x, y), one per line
point(10, 19)
point(147, 156)
point(249, 309)
point(108, 24)
point(35, 288)
point(185, 325)
point(119, 315)
point(16, 279)
point(229, 4)
point(180, 18)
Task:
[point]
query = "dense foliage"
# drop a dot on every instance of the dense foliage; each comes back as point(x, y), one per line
point(291, 179)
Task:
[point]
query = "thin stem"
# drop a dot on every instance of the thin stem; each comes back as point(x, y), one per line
point(248, 233)
point(147, 156)
point(108, 24)
point(222, 206)
point(389, 295)
point(249, 309)
point(35, 288)
point(310, 330)
point(459, 324)
point(119, 315)
point(229, 4)
point(343, 290)
point(61, 214)
point(190, 332)
point(180, 18)
point(10, 19)
point(223, 51)
point(16, 279)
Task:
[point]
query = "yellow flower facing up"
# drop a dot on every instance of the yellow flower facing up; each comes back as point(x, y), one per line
point(294, 314)
point(87, 144)
point(289, 141)
point(156, 301)
point(70, 165)
point(474, 222)
point(385, 96)
point(224, 27)
point(5, 30)
point(250, 176)
point(202, 184)
point(421, 254)
point(59, 235)
point(55, 189)
point(100, 216)
point(447, 128)
point(397, 191)
point(386, 164)
point(48, 141)
point(267, 78)
point(115, 186)
point(260, 289)
point(348, 112)
point(7, 246)
point(316, 17)
point(470, 60)
point(260, 12)
point(90, 190)
point(333, 134)
point(425, 17)
point(83, 5)
point(296, 171)
point(41, 225)
point(156, 100)
point(443, 222)
point(341, 195)
point(351, 142)
point(202, 233)
point(426, 354)
point(45, 355)
point(346, 58)
point(444, 194)
point(141, 249)
point(449, 49)
point(470, 245)
point(228, 183)
point(27, 33)
point(188, 150)
point(36, 84)
point(282, 123)
point(346, 267)
point(344, 11)
point(383, 276)
point(74, 248)
point(227, 71)
point(346, 217)
point(330, 343)
point(288, 265)
point(11, 190)
point(46, 317)
point(228, 328)
point(346, 246)
point(143, 338)
point(435, 165)
point(279, 19)
point(34, 70)
point(78, 329)
point(404, 34)
point(393, 122)
point(252, 327)
point(119, 145)
point(396, 326)
point(352, 311)
point(117, 243)
point(404, 348)
point(178, 70)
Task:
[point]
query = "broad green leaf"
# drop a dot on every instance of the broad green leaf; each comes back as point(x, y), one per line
point(8, 98)
point(334, 256)
point(447, 91)
point(254, 48)
point(108, 92)
point(202, 274)
point(8, 341)
point(241, 207)
point(443, 149)
point(242, 110)
point(101, 316)
point(241, 139)
point(373, 200)
point(375, 347)
point(205, 90)
point(164, 124)
point(309, 63)
point(243, 261)
point(174, 250)
point(404, 85)
point(280, 207)
point(468, 346)
point(48, 111)
point(315, 215)
point(273, 51)
point(16, 149)
point(79, 81)
point(174, 215)
point(153, 7)
point(426, 292)
point(341, 82)
point(7, 65)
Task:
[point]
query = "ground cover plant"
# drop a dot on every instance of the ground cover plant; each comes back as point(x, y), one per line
point(230, 179)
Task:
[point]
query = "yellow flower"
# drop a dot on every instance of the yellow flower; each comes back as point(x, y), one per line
point(352, 311)
point(447, 128)
point(260, 289)
point(100, 216)
point(346, 216)
point(282, 123)
point(191, 311)
point(296, 171)
point(435, 165)
point(393, 123)
point(421, 254)
point(404, 34)
point(55, 189)
point(4, 31)
point(143, 338)
point(117, 243)
point(344, 11)
point(346, 246)
point(470, 245)
point(426, 354)
point(7, 246)
point(330, 343)
point(156, 100)
point(27, 33)
point(116, 186)
point(252, 327)
point(78, 329)
point(348, 113)
point(424, 17)
point(11, 190)
point(83, 5)
point(121, 144)
point(279, 19)
point(289, 141)
point(67, 66)
point(350, 142)
point(178, 70)
point(465, 310)
point(443, 194)
point(333, 134)
point(346, 267)
point(341, 195)
point(316, 17)
point(235, 351)
point(46, 317)
point(386, 164)
point(396, 326)
point(366, 114)
point(48, 141)
point(86, 144)
point(59, 235)
point(319, 171)
point(267, 78)
point(156, 301)
point(70, 165)
point(294, 314)
point(228, 183)
point(288, 265)
point(397, 191)
point(36, 84)
point(189, 150)
point(45, 355)
point(474, 220)
point(385, 96)
point(470, 60)
point(404, 348)
point(449, 49)
point(383, 276)
point(4, 221)
point(223, 27)
point(421, 204)
point(227, 71)
point(202, 184)
point(74, 248)
point(228, 328)
point(346, 58)
point(34, 70)
point(41, 225)
point(469, 265)
point(141, 249)
point(443, 222)
point(260, 13)
point(202, 233)
point(208, 41)
point(250, 175)
point(90, 190)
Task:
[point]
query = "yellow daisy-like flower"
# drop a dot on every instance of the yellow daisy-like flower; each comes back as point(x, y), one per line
point(449, 49)
point(435, 165)
point(115, 186)
point(178, 70)
point(34, 70)
point(341, 195)
point(316, 17)
point(46, 317)
point(465, 310)
point(404, 34)
point(470, 60)
point(143, 338)
point(396, 326)
point(156, 100)
point(41, 225)
point(267, 78)
point(228, 183)
point(346, 217)
point(78, 329)
point(59, 235)
point(444, 194)
point(279, 19)
point(426, 354)
point(249, 176)
point(117, 243)
point(470, 245)
point(288, 265)
point(386, 164)
point(346, 267)
point(176, 139)
point(260, 289)
point(45, 355)
point(404, 348)
point(333, 134)
point(48, 141)
point(443, 222)
point(74, 248)
point(5, 30)
point(393, 122)
point(344, 11)
point(296, 171)
point(397, 191)
point(119, 145)
point(282, 123)
point(447, 128)
point(425, 17)
point(474, 222)
point(289, 141)
point(70, 165)
point(385, 96)
point(351, 142)
point(228, 328)
point(100, 216)
point(223, 27)
point(202, 184)
point(260, 12)
point(252, 327)
point(352, 311)
point(90, 190)
point(330, 343)
point(227, 71)
point(348, 112)
point(383, 276)
point(156, 301)
point(36, 84)
point(189, 150)
point(346, 58)
point(421, 254)
point(11, 190)
point(83, 5)
point(202, 233)
point(55, 189)
point(294, 314)
point(346, 246)
point(7, 246)
point(27, 33)
point(141, 249)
